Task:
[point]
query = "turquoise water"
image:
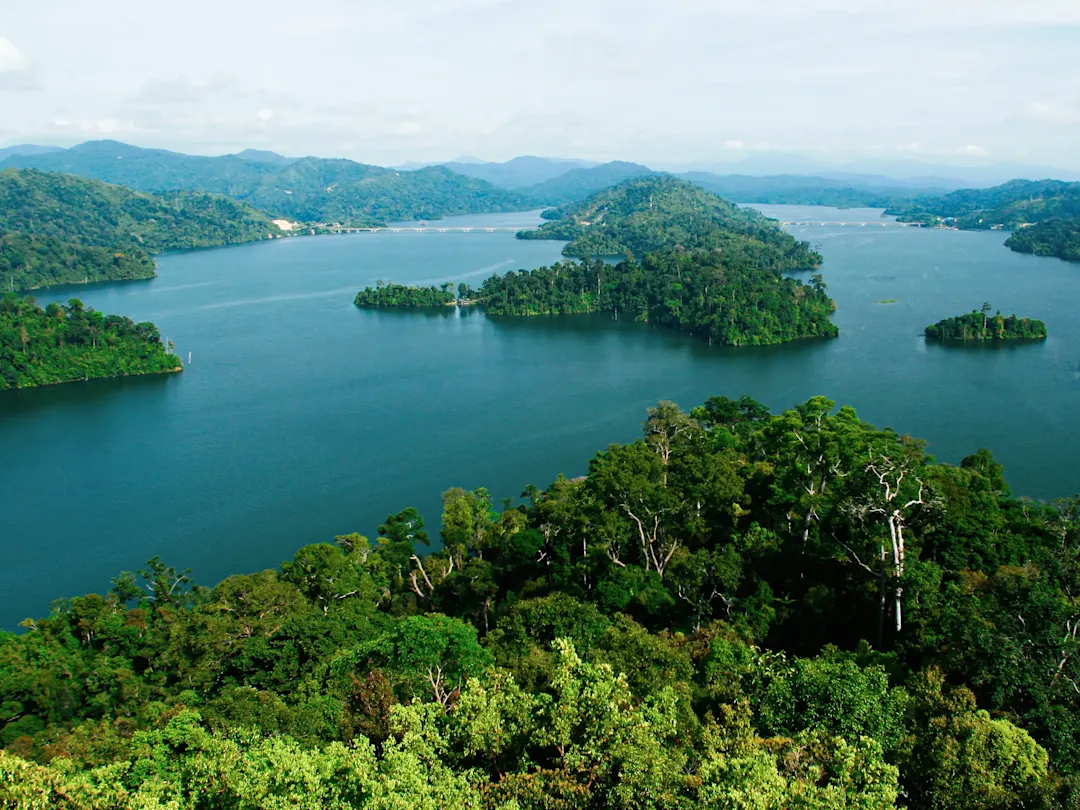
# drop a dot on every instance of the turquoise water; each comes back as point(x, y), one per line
point(301, 417)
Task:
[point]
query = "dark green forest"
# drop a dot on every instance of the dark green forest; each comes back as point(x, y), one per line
point(308, 189)
point(1044, 215)
point(981, 325)
point(660, 212)
point(700, 293)
point(708, 268)
point(61, 229)
point(1054, 237)
point(67, 343)
point(399, 296)
point(738, 610)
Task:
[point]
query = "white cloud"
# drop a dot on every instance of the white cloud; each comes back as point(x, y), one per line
point(735, 144)
point(101, 126)
point(1054, 113)
point(12, 59)
point(264, 114)
point(971, 150)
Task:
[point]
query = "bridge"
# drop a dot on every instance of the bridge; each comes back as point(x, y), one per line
point(434, 229)
point(856, 224)
point(516, 228)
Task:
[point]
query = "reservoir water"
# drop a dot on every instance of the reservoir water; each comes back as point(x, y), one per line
point(301, 417)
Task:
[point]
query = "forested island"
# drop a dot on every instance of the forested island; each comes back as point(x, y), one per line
point(981, 325)
point(400, 296)
point(68, 343)
point(693, 262)
point(738, 610)
point(61, 229)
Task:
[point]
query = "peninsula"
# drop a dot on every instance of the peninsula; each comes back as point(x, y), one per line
point(61, 344)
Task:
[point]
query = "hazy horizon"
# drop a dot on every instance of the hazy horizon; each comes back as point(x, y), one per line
point(829, 82)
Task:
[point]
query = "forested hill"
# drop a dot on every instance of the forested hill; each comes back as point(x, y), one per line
point(68, 343)
point(738, 610)
point(1008, 206)
point(577, 184)
point(693, 262)
point(58, 228)
point(307, 189)
point(1044, 215)
point(661, 212)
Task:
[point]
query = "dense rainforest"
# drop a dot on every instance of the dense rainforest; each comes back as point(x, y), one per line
point(400, 296)
point(1044, 215)
point(981, 325)
point(661, 212)
point(706, 267)
point(1052, 237)
point(308, 189)
point(739, 610)
point(57, 228)
point(68, 343)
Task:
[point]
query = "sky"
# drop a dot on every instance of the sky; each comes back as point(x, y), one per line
point(673, 84)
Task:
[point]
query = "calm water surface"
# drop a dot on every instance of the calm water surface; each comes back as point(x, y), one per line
point(301, 417)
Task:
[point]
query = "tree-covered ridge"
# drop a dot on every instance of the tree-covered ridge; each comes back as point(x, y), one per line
point(400, 296)
point(580, 183)
point(739, 610)
point(58, 228)
point(664, 213)
point(1007, 206)
point(68, 343)
point(981, 325)
point(1054, 237)
point(700, 293)
point(308, 189)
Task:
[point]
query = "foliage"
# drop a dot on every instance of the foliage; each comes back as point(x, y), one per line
point(1008, 205)
point(56, 228)
point(1052, 237)
point(308, 189)
point(579, 183)
point(66, 343)
point(980, 325)
point(399, 296)
point(739, 609)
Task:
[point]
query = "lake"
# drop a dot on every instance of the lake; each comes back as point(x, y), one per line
point(301, 417)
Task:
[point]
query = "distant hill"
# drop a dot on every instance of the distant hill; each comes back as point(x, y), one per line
point(308, 189)
point(57, 228)
point(789, 189)
point(26, 149)
point(263, 156)
point(578, 184)
point(519, 172)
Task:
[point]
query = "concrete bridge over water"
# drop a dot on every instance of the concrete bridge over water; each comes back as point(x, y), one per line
point(515, 229)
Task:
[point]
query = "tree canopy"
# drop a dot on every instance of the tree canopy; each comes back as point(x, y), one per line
point(738, 610)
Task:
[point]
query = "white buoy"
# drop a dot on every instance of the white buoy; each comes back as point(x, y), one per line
point(189, 358)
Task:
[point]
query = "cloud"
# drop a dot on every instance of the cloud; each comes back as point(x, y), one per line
point(735, 144)
point(1054, 113)
point(101, 126)
point(971, 150)
point(12, 59)
point(264, 114)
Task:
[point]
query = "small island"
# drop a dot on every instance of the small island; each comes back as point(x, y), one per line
point(981, 325)
point(401, 296)
point(61, 344)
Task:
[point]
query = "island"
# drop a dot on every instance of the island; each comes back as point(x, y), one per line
point(690, 261)
point(401, 296)
point(68, 343)
point(721, 614)
point(62, 229)
point(979, 324)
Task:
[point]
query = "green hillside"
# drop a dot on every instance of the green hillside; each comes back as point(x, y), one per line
point(307, 189)
point(577, 184)
point(57, 228)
